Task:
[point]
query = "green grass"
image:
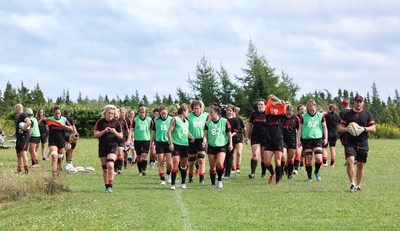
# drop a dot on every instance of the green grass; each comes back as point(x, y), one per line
point(140, 203)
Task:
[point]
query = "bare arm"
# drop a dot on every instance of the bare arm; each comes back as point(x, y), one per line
point(171, 128)
point(247, 131)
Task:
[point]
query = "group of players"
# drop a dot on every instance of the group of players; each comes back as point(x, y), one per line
point(31, 130)
point(180, 140)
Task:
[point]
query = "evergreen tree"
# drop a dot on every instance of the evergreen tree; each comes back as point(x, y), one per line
point(126, 101)
point(144, 100)
point(37, 96)
point(182, 96)
point(165, 100)
point(23, 94)
point(376, 104)
point(226, 90)
point(169, 100)
point(80, 100)
point(68, 98)
point(259, 79)
point(10, 96)
point(290, 88)
point(157, 99)
point(204, 86)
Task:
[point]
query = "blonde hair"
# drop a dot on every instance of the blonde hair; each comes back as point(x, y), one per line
point(29, 112)
point(106, 109)
point(311, 102)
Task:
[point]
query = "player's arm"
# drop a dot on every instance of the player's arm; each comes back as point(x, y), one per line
point(229, 133)
point(247, 131)
point(325, 128)
point(171, 128)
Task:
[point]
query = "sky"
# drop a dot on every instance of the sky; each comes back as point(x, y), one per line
point(115, 47)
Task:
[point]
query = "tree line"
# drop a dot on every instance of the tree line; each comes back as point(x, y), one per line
point(212, 85)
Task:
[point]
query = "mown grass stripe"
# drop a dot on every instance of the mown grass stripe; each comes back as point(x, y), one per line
point(185, 216)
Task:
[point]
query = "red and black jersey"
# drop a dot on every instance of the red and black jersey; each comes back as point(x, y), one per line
point(21, 118)
point(259, 121)
point(124, 126)
point(363, 119)
point(108, 139)
point(274, 127)
point(71, 122)
point(235, 127)
point(343, 112)
point(332, 120)
point(241, 124)
point(290, 126)
point(130, 122)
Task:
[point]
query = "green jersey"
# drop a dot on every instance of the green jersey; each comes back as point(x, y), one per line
point(180, 134)
point(161, 128)
point(217, 132)
point(196, 124)
point(35, 126)
point(311, 127)
point(142, 128)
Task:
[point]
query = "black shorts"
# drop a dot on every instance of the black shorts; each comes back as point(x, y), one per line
point(216, 150)
point(43, 138)
point(142, 147)
point(58, 144)
point(22, 143)
point(237, 139)
point(196, 147)
point(180, 150)
point(257, 140)
point(274, 145)
point(311, 143)
point(331, 141)
point(360, 152)
point(104, 151)
point(121, 144)
point(162, 148)
point(290, 142)
point(35, 140)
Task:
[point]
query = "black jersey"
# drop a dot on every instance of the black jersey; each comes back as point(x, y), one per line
point(235, 127)
point(274, 127)
point(21, 118)
point(259, 121)
point(290, 126)
point(343, 112)
point(108, 139)
point(124, 126)
point(363, 119)
point(71, 122)
point(241, 124)
point(332, 120)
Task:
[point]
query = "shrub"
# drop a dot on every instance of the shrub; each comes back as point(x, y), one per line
point(386, 131)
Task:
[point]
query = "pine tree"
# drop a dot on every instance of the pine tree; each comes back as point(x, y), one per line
point(204, 86)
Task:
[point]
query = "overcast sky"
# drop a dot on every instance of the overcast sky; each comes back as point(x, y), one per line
point(117, 47)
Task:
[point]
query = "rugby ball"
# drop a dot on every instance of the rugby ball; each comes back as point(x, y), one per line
point(68, 166)
point(73, 138)
point(80, 169)
point(22, 124)
point(90, 169)
point(72, 170)
point(67, 146)
point(354, 129)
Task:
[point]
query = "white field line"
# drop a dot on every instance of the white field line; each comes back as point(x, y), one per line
point(186, 220)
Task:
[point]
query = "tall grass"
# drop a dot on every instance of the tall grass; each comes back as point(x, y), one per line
point(15, 187)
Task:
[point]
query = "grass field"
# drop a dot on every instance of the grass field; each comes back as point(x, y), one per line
point(140, 203)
